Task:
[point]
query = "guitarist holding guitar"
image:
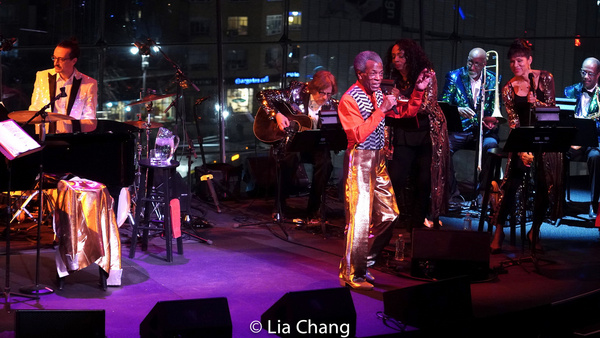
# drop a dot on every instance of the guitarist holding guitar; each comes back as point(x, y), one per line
point(284, 112)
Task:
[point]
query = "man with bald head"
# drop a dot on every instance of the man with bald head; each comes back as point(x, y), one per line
point(587, 93)
point(463, 89)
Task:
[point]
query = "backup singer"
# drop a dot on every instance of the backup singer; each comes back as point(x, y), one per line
point(463, 88)
point(519, 98)
point(587, 94)
point(418, 167)
point(309, 99)
point(82, 90)
point(370, 203)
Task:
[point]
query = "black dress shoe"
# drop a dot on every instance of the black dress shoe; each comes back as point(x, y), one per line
point(357, 284)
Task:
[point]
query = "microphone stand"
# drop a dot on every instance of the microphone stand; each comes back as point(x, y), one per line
point(182, 82)
point(37, 288)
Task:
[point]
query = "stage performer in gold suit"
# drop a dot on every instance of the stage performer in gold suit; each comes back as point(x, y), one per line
point(529, 88)
point(81, 90)
point(370, 204)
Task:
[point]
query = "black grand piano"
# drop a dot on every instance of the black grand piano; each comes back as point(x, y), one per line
point(106, 155)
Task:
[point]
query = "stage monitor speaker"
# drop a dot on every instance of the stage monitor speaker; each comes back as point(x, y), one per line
point(432, 305)
point(59, 323)
point(207, 317)
point(322, 313)
point(440, 254)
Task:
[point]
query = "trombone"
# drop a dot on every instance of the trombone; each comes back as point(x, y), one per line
point(497, 114)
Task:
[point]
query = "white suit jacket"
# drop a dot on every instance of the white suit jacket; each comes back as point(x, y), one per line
point(84, 101)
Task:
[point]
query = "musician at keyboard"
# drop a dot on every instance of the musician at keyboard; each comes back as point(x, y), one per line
point(587, 93)
point(296, 108)
point(81, 90)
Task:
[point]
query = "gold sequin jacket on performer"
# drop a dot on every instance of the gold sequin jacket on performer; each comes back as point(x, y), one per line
point(553, 165)
point(370, 204)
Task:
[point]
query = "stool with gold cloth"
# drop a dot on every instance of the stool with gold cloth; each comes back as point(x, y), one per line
point(86, 231)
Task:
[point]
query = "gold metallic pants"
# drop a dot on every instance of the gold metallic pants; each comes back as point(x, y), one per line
point(370, 207)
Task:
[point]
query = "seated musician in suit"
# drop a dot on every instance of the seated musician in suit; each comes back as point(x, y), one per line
point(587, 93)
point(463, 88)
point(81, 90)
point(308, 99)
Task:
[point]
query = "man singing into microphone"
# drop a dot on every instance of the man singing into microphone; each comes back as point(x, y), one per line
point(81, 90)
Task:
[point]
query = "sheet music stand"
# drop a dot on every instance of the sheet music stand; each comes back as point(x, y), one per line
point(309, 140)
point(587, 133)
point(452, 117)
point(538, 140)
point(331, 136)
point(7, 292)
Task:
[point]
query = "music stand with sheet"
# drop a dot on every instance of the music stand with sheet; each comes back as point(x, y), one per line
point(453, 121)
point(587, 133)
point(309, 140)
point(538, 140)
point(333, 137)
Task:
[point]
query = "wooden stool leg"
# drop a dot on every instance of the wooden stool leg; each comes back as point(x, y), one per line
point(180, 246)
point(167, 217)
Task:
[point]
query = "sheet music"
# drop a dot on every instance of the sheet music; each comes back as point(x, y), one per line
point(14, 141)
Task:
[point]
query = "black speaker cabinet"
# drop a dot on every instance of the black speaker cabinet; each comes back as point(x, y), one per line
point(188, 318)
point(440, 254)
point(59, 323)
point(315, 313)
point(432, 305)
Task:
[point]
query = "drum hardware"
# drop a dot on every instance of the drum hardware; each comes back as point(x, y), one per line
point(141, 125)
point(150, 98)
point(144, 125)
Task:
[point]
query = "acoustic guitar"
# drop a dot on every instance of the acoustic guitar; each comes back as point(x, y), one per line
point(266, 130)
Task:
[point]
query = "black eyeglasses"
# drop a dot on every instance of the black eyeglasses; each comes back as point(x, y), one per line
point(61, 60)
point(584, 73)
point(325, 94)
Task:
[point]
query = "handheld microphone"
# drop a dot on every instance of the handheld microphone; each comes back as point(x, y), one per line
point(531, 84)
point(62, 92)
point(532, 107)
point(386, 88)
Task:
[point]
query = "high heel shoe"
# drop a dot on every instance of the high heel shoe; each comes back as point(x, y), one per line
point(538, 244)
point(496, 246)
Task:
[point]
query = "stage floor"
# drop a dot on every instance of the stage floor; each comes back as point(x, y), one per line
point(253, 263)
